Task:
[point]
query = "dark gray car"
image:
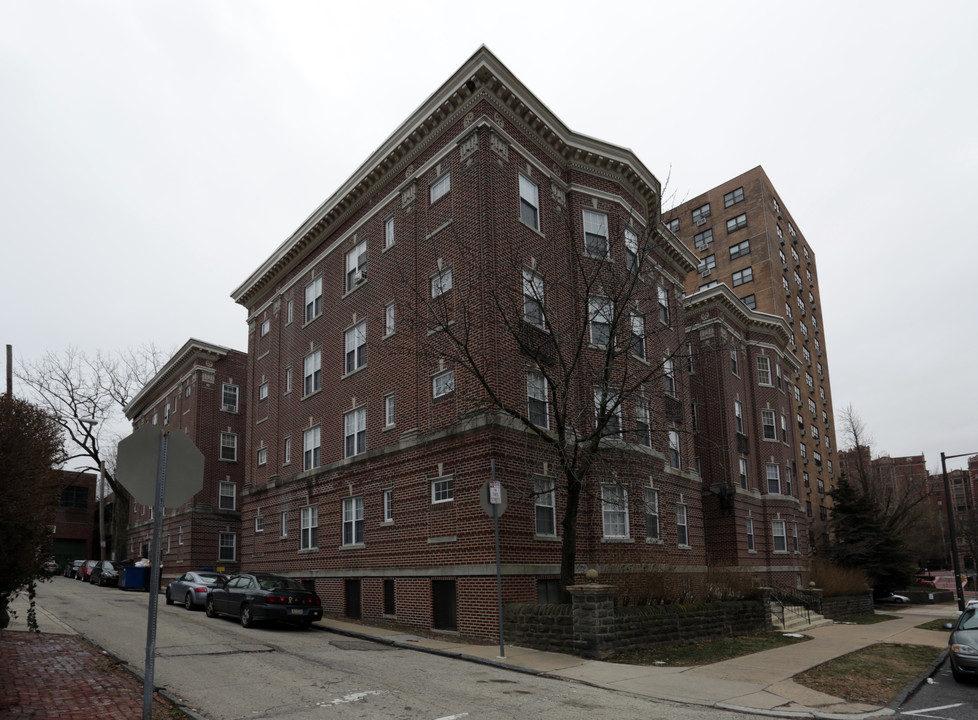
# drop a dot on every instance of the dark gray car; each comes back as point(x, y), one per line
point(253, 597)
point(192, 588)
point(964, 645)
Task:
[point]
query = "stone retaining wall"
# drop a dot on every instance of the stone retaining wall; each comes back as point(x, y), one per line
point(846, 605)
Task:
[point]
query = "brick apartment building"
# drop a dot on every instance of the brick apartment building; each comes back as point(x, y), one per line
point(201, 390)
point(744, 236)
point(482, 241)
point(74, 520)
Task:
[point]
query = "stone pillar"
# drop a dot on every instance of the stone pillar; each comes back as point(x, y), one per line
point(594, 620)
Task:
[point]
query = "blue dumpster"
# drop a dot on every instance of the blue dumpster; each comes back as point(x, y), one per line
point(134, 578)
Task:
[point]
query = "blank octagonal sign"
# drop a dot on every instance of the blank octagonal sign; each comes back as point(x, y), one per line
point(136, 466)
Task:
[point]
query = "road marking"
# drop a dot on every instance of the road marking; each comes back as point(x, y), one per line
point(351, 698)
point(453, 717)
point(920, 713)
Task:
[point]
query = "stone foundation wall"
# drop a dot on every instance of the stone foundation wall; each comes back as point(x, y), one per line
point(846, 605)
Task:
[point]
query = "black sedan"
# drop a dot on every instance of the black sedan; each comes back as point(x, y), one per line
point(964, 645)
point(192, 588)
point(253, 597)
point(104, 573)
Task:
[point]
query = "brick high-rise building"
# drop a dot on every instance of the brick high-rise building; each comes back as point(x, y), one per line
point(745, 237)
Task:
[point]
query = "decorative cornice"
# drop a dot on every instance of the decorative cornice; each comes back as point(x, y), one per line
point(732, 307)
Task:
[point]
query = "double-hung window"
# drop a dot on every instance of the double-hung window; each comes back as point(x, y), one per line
point(544, 506)
point(764, 370)
point(770, 430)
point(779, 531)
point(262, 456)
point(353, 520)
point(682, 526)
point(702, 240)
point(614, 511)
point(441, 282)
point(663, 296)
point(314, 299)
point(263, 391)
point(601, 312)
point(643, 423)
point(736, 223)
point(743, 472)
point(707, 264)
point(388, 232)
point(356, 346)
point(529, 202)
point(773, 474)
point(596, 234)
point(740, 249)
point(389, 505)
point(356, 265)
point(440, 187)
point(312, 372)
point(227, 547)
point(669, 376)
point(443, 489)
point(310, 448)
point(443, 383)
point(607, 408)
point(533, 297)
point(638, 336)
point(228, 496)
point(742, 277)
point(631, 250)
point(739, 416)
point(750, 535)
point(536, 395)
point(355, 432)
point(701, 213)
point(389, 410)
point(229, 398)
point(651, 514)
point(733, 197)
point(675, 460)
point(309, 527)
point(229, 446)
point(389, 319)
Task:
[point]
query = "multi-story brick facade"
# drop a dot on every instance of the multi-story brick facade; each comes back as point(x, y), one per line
point(405, 343)
point(74, 521)
point(203, 391)
point(745, 237)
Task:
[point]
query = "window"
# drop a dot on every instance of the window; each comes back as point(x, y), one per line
point(614, 511)
point(533, 297)
point(750, 301)
point(764, 370)
point(441, 282)
point(314, 299)
point(669, 376)
point(227, 549)
point(529, 202)
point(707, 286)
point(229, 446)
point(734, 362)
point(353, 520)
point(643, 424)
point(259, 522)
point(810, 381)
point(443, 383)
point(288, 380)
point(355, 432)
point(631, 250)
point(356, 346)
point(651, 514)
point(388, 232)
point(773, 473)
point(309, 527)
point(310, 448)
point(673, 225)
point(784, 428)
point(638, 336)
point(750, 535)
point(228, 496)
point(284, 522)
point(606, 407)
point(674, 456)
point(780, 231)
point(443, 489)
point(289, 312)
point(389, 410)
point(780, 536)
point(536, 394)
point(312, 369)
point(743, 276)
point(787, 480)
point(682, 528)
point(596, 234)
point(389, 319)
point(166, 414)
point(356, 265)
point(663, 304)
point(286, 450)
point(703, 239)
point(545, 506)
point(229, 399)
point(266, 325)
point(739, 416)
point(733, 197)
point(389, 505)
point(707, 265)
point(736, 223)
point(767, 424)
point(817, 457)
point(740, 249)
point(262, 456)
point(263, 391)
point(794, 536)
point(601, 312)
point(440, 187)
point(701, 213)
point(743, 472)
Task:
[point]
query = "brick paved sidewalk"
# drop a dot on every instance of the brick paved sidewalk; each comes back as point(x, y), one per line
point(62, 676)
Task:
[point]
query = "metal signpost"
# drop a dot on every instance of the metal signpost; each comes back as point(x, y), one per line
point(143, 462)
point(493, 501)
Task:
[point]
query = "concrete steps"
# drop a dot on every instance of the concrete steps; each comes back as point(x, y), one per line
point(794, 622)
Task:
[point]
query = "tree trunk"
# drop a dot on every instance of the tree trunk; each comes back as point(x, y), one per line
point(568, 548)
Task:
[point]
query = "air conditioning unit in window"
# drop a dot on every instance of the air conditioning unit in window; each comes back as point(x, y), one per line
point(706, 273)
point(360, 276)
point(701, 221)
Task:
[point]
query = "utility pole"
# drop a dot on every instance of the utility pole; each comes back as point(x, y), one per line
point(10, 370)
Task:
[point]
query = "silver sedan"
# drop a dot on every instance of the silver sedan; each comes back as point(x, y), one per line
point(192, 588)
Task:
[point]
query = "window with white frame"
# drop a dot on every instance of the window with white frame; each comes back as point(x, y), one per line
point(736, 223)
point(166, 414)
point(643, 422)
point(734, 361)
point(259, 521)
point(389, 410)
point(596, 234)
point(784, 428)
point(443, 383)
point(739, 416)
point(356, 265)
point(262, 456)
point(289, 311)
point(288, 380)
point(631, 250)
point(440, 187)
point(228, 547)
point(601, 312)
point(314, 299)
point(312, 372)
point(742, 277)
point(750, 535)
point(389, 505)
point(608, 409)
point(441, 282)
point(443, 489)
point(263, 391)
point(228, 496)
point(529, 202)
point(266, 326)
point(533, 297)
point(742, 463)
point(682, 526)
point(787, 480)
point(663, 297)
point(614, 511)
point(675, 459)
point(284, 523)
point(309, 527)
point(545, 506)
point(669, 376)
point(310, 448)
point(779, 532)
point(794, 535)
point(638, 336)
point(651, 514)
point(764, 370)
point(388, 232)
point(356, 346)
point(770, 430)
point(537, 399)
point(355, 432)
point(389, 318)
point(229, 446)
point(773, 473)
point(286, 450)
point(353, 520)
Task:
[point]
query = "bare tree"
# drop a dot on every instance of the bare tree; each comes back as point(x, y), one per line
point(86, 397)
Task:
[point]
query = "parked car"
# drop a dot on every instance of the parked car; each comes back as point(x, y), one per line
point(252, 597)
point(105, 573)
point(71, 568)
point(85, 570)
point(894, 598)
point(963, 645)
point(192, 588)
point(928, 580)
point(971, 604)
point(51, 566)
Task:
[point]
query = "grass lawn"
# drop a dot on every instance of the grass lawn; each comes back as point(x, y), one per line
point(938, 624)
point(707, 652)
point(865, 619)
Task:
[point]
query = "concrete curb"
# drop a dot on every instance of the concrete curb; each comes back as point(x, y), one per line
point(914, 685)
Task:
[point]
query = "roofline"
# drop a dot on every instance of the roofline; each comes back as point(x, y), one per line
point(724, 297)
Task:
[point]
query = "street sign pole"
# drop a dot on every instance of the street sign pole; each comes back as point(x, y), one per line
point(154, 580)
point(493, 495)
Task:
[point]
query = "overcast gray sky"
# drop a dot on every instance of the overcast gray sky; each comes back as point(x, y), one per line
point(153, 154)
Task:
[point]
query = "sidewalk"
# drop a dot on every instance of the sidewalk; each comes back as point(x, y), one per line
point(53, 673)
